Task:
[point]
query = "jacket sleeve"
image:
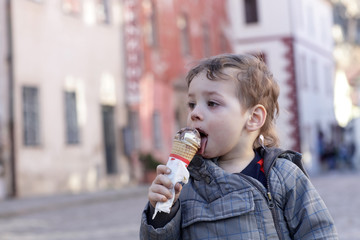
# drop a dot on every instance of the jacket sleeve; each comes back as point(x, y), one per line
point(305, 212)
point(170, 231)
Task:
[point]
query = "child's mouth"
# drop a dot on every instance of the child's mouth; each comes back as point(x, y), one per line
point(204, 138)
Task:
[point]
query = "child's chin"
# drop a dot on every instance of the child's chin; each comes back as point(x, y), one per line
point(207, 155)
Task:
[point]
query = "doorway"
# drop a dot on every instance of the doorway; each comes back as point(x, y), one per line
point(109, 138)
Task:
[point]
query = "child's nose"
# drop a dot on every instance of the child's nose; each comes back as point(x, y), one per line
point(196, 114)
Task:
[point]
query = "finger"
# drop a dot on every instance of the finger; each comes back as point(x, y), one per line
point(163, 180)
point(162, 190)
point(158, 197)
point(162, 169)
point(177, 188)
point(155, 197)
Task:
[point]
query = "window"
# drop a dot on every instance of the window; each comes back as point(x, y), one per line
point(314, 73)
point(151, 23)
point(207, 40)
point(357, 32)
point(325, 31)
point(339, 15)
point(157, 130)
point(251, 13)
point(303, 72)
point(110, 145)
point(102, 11)
point(131, 134)
point(71, 119)
point(328, 78)
point(71, 6)
point(31, 123)
point(299, 12)
point(183, 25)
point(311, 21)
point(135, 127)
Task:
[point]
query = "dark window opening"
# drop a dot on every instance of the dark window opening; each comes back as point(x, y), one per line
point(31, 122)
point(71, 118)
point(251, 12)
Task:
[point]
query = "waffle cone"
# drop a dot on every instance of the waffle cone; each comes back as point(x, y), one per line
point(184, 150)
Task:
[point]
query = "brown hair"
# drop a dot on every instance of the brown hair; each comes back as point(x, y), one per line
point(255, 86)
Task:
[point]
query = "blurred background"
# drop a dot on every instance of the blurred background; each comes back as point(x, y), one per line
point(93, 91)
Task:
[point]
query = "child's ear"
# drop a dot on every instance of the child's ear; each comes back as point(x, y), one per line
point(256, 118)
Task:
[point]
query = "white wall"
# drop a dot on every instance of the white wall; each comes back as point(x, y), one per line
point(267, 36)
point(315, 73)
point(273, 19)
point(312, 22)
point(308, 24)
point(55, 51)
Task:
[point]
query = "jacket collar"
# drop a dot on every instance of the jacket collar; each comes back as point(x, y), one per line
point(201, 168)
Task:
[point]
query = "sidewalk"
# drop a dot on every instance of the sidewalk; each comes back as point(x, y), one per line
point(341, 193)
point(116, 214)
point(16, 207)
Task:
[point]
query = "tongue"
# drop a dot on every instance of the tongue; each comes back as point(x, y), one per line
point(202, 145)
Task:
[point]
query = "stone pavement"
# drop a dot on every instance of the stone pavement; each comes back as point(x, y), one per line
point(341, 194)
point(17, 207)
point(116, 214)
point(106, 215)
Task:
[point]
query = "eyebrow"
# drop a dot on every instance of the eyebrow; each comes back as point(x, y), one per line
point(207, 93)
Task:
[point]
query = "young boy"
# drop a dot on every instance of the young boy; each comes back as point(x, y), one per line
point(232, 102)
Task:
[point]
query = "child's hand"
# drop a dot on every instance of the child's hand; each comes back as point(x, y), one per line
point(159, 190)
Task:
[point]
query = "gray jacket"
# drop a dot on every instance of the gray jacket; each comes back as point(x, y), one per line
point(218, 205)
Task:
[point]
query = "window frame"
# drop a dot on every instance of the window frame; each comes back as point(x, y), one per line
point(72, 129)
point(185, 40)
point(157, 133)
point(251, 10)
point(31, 116)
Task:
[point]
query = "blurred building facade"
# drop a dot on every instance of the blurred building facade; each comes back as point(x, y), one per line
point(5, 136)
point(346, 33)
point(95, 85)
point(294, 37)
point(68, 93)
point(175, 34)
point(91, 85)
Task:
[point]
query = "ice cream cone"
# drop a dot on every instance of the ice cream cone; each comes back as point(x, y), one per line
point(183, 149)
point(185, 145)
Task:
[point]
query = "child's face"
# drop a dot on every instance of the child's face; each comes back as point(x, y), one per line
point(215, 110)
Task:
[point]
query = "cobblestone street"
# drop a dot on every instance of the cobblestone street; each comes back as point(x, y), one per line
point(341, 193)
point(106, 216)
point(116, 215)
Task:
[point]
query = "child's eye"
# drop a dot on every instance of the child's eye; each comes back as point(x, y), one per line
point(212, 104)
point(191, 105)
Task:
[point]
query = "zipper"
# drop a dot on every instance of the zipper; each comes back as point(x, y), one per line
point(260, 188)
point(274, 214)
point(271, 202)
point(268, 197)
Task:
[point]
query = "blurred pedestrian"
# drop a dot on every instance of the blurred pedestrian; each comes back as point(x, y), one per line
point(321, 147)
point(352, 151)
point(329, 157)
point(231, 193)
point(343, 156)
